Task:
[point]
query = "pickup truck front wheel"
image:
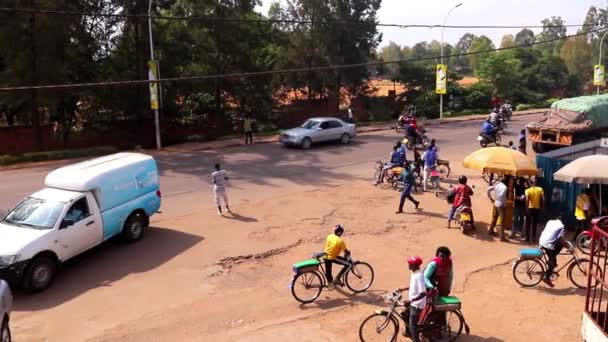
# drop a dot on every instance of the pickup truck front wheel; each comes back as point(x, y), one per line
point(134, 228)
point(40, 274)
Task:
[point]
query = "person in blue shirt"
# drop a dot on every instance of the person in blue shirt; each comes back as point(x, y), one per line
point(430, 162)
point(396, 160)
point(488, 129)
point(402, 152)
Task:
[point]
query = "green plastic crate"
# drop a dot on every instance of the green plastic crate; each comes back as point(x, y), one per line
point(447, 303)
point(309, 265)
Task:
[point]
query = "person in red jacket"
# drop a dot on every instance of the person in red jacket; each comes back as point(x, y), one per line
point(439, 273)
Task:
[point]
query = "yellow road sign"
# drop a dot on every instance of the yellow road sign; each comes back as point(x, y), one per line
point(442, 79)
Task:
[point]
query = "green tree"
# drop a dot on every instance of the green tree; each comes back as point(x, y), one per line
point(577, 54)
point(524, 37)
point(553, 29)
point(391, 52)
point(463, 46)
point(501, 70)
point(481, 43)
point(507, 41)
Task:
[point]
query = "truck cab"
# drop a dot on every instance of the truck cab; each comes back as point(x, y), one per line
point(82, 206)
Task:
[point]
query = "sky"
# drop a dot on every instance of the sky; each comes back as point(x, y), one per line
point(472, 12)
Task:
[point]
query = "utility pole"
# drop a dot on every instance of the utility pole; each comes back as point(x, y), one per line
point(600, 58)
point(441, 58)
point(34, 77)
point(153, 74)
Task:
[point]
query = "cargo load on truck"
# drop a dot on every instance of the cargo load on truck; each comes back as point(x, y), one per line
point(113, 179)
point(570, 121)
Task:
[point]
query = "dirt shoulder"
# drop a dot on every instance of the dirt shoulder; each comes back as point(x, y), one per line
point(204, 277)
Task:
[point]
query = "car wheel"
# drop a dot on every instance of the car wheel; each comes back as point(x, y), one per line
point(134, 228)
point(345, 139)
point(40, 274)
point(5, 332)
point(306, 143)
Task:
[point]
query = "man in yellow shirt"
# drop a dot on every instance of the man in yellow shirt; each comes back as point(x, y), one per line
point(248, 128)
point(535, 197)
point(582, 210)
point(334, 245)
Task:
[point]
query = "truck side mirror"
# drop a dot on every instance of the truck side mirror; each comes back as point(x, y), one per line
point(65, 223)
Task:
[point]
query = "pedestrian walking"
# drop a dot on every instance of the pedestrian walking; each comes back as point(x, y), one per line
point(219, 179)
point(535, 197)
point(248, 128)
point(351, 115)
point(498, 206)
point(408, 183)
point(522, 141)
point(519, 207)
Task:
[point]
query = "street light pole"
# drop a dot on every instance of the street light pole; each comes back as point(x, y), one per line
point(600, 58)
point(156, 115)
point(441, 58)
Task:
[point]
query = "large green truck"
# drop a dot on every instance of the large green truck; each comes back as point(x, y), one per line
point(569, 122)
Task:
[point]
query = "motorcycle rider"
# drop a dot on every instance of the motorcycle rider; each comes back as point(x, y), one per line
point(462, 197)
point(494, 116)
point(396, 159)
point(488, 129)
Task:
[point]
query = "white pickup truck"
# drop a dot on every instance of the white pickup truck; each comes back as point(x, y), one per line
point(82, 206)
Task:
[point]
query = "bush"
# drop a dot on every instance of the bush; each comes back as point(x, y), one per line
point(56, 155)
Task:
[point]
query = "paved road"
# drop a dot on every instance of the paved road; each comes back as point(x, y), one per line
point(108, 291)
point(267, 170)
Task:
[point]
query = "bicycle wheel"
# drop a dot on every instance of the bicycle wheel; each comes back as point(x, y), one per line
point(443, 326)
point(444, 170)
point(306, 287)
point(360, 277)
point(577, 273)
point(528, 272)
point(379, 327)
point(583, 242)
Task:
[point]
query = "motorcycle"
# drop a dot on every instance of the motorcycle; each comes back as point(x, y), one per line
point(421, 140)
point(464, 217)
point(392, 176)
point(583, 241)
point(485, 140)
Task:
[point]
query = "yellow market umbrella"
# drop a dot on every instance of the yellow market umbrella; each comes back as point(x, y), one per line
point(501, 160)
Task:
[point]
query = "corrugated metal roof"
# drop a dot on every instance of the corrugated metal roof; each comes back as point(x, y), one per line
point(579, 150)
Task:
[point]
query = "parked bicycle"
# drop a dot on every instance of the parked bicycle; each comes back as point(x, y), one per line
point(441, 320)
point(309, 279)
point(529, 269)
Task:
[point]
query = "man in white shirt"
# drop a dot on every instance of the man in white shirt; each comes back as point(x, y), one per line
point(417, 297)
point(500, 199)
point(552, 241)
point(219, 179)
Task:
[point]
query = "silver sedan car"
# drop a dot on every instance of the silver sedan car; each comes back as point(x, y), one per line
point(6, 303)
point(316, 130)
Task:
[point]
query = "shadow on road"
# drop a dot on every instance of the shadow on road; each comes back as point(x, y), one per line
point(108, 263)
point(237, 217)
point(373, 297)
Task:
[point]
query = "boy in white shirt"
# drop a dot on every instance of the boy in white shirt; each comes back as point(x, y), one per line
point(552, 241)
point(417, 297)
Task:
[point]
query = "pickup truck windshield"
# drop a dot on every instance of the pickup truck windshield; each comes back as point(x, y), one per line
point(35, 213)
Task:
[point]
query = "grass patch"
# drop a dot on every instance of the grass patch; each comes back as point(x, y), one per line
point(56, 155)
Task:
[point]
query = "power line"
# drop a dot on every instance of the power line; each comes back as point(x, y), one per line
point(269, 21)
point(284, 71)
